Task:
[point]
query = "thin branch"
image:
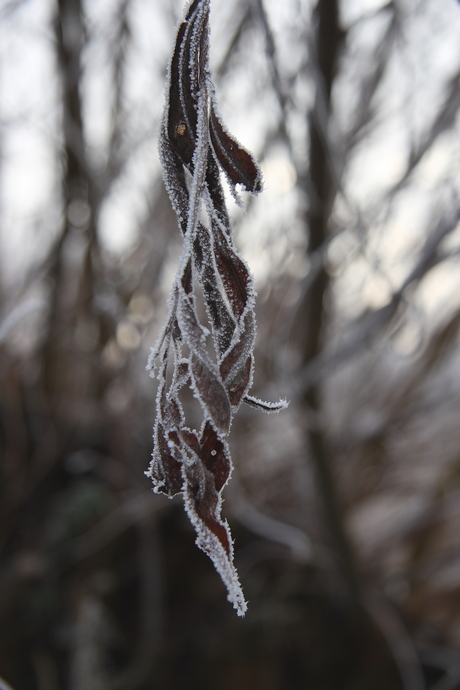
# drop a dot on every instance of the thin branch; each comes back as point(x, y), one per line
point(371, 323)
point(398, 640)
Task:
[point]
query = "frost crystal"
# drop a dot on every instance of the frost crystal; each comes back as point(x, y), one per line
point(198, 463)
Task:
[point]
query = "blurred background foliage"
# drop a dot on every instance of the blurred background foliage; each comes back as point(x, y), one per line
point(345, 507)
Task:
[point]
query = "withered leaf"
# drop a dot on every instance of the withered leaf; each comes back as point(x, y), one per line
point(212, 394)
point(239, 383)
point(205, 504)
point(237, 163)
point(234, 274)
point(223, 324)
point(216, 193)
point(167, 475)
point(214, 456)
point(235, 358)
point(191, 439)
point(186, 280)
point(181, 119)
point(182, 115)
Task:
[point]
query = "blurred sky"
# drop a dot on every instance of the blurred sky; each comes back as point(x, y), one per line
point(427, 55)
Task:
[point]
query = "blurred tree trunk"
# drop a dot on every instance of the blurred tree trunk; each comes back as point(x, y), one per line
point(328, 37)
point(72, 327)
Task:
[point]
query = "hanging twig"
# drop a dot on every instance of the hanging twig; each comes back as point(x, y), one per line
point(193, 144)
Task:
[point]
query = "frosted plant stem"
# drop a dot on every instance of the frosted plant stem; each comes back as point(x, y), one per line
point(194, 142)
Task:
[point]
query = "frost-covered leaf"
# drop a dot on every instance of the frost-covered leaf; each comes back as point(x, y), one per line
point(223, 324)
point(194, 142)
point(241, 351)
point(216, 193)
point(240, 382)
point(235, 276)
point(212, 394)
point(167, 470)
point(174, 177)
point(187, 67)
point(238, 164)
point(215, 456)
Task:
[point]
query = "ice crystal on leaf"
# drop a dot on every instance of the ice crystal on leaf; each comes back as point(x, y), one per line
point(193, 138)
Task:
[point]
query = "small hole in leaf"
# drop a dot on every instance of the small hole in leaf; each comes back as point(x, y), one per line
point(181, 128)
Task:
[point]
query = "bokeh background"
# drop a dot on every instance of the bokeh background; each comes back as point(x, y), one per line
point(344, 508)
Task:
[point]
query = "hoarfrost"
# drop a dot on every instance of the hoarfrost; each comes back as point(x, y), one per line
point(195, 143)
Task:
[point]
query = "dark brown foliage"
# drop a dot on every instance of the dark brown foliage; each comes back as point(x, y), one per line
point(193, 137)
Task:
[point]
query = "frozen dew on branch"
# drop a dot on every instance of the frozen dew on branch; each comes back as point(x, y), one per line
point(194, 146)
